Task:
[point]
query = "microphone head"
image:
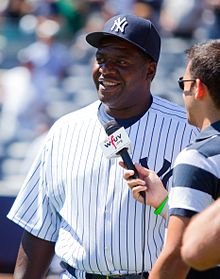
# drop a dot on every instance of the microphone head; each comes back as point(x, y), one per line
point(111, 127)
point(116, 141)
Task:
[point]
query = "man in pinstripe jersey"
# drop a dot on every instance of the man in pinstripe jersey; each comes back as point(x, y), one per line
point(74, 200)
point(196, 175)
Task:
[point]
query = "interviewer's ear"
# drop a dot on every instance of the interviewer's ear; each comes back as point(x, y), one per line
point(200, 89)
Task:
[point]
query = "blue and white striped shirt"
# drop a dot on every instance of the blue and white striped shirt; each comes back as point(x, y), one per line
point(196, 177)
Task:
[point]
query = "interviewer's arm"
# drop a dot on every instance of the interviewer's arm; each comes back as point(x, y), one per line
point(201, 245)
point(34, 257)
point(169, 265)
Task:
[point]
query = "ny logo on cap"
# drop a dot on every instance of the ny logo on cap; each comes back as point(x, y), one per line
point(119, 24)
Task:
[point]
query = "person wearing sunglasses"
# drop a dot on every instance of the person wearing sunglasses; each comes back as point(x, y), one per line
point(196, 174)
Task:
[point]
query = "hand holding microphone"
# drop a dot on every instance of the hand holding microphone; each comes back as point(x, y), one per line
point(118, 144)
point(148, 183)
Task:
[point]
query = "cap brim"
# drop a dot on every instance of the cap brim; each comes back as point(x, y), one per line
point(94, 39)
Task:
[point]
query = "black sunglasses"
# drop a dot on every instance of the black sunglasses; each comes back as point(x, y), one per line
point(181, 82)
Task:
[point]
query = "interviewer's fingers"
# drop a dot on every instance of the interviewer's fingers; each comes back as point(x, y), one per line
point(127, 174)
point(122, 164)
point(136, 193)
point(132, 183)
point(142, 171)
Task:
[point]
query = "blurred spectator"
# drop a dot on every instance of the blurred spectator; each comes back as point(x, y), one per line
point(214, 25)
point(22, 103)
point(11, 11)
point(73, 14)
point(46, 8)
point(80, 50)
point(25, 88)
point(67, 13)
point(15, 9)
point(50, 57)
point(180, 18)
point(149, 9)
point(122, 6)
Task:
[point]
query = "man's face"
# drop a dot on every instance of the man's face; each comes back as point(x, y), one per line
point(188, 96)
point(120, 74)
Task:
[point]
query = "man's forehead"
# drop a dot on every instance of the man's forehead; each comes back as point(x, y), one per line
point(116, 43)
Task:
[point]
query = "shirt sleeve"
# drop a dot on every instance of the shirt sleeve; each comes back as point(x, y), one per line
point(193, 186)
point(34, 209)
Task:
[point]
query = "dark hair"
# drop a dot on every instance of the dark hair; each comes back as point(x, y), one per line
point(205, 65)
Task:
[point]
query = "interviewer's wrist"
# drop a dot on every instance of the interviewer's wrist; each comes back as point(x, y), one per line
point(160, 198)
point(162, 209)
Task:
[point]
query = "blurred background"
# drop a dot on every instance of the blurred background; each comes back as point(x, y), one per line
point(45, 72)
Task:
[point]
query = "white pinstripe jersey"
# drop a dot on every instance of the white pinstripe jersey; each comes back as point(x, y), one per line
point(76, 197)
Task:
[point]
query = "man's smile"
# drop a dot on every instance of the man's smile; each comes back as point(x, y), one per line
point(108, 85)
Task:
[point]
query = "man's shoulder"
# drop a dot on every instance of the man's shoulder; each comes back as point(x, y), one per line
point(208, 147)
point(78, 118)
point(162, 105)
point(83, 114)
point(199, 151)
point(172, 112)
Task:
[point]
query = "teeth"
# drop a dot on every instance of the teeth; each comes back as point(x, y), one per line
point(108, 83)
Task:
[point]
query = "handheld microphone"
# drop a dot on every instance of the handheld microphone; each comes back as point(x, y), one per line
point(119, 143)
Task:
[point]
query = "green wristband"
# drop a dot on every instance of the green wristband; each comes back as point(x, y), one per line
point(158, 210)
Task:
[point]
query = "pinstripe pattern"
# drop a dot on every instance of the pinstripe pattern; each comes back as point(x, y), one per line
point(196, 182)
point(75, 196)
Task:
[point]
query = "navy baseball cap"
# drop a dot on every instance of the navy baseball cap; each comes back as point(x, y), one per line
point(136, 30)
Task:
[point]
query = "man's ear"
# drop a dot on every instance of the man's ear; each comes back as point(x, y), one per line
point(151, 70)
point(200, 89)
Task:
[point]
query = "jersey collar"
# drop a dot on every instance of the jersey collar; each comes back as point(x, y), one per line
point(104, 117)
point(210, 131)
